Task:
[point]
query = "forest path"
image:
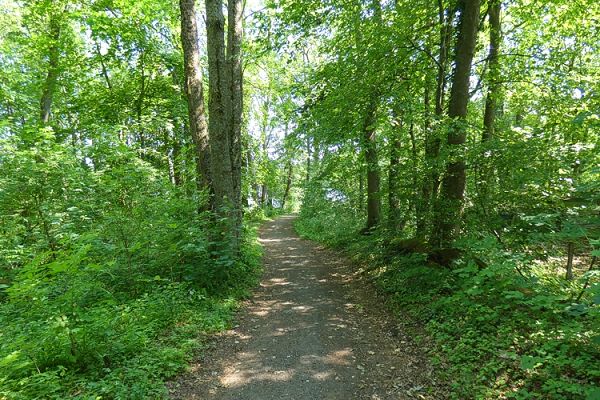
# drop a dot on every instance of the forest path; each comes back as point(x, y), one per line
point(311, 331)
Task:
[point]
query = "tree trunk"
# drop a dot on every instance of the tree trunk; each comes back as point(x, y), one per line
point(139, 107)
point(219, 105)
point(245, 196)
point(288, 183)
point(449, 208)
point(52, 75)
point(431, 184)
point(393, 178)
point(361, 189)
point(194, 92)
point(168, 153)
point(220, 158)
point(486, 170)
point(491, 101)
point(570, 253)
point(423, 206)
point(519, 119)
point(308, 159)
point(316, 157)
point(372, 161)
point(235, 90)
point(263, 195)
point(415, 173)
point(369, 143)
point(176, 146)
point(103, 66)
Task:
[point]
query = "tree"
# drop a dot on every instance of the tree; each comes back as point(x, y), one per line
point(369, 146)
point(225, 114)
point(491, 101)
point(235, 30)
point(394, 217)
point(194, 91)
point(450, 205)
point(369, 143)
point(431, 181)
point(53, 67)
point(219, 104)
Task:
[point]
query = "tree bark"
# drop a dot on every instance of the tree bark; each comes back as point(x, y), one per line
point(450, 206)
point(288, 183)
point(235, 82)
point(372, 161)
point(263, 195)
point(194, 92)
point(103, 66)
point(415, 173)
point(393, 177)
point(370, 143)
point(361, 189)
point(570, 254)
point(486, 170)
point(308, 159)
point(139, 106)
point(491, 101)
point(219, 105)
point(52, 76)
point(423, 206)
point(431, 184)
point(223, 194)
point(175, 155)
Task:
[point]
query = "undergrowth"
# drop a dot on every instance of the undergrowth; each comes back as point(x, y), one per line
point(107, 280)
point(82, 334)
point(496, 334)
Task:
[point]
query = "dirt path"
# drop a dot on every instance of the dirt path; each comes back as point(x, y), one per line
point(311, 331)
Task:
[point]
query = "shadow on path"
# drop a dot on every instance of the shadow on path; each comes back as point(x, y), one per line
point(303, 336)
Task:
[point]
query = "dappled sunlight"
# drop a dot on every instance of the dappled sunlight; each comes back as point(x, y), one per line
point(296, 326)
point(276, 282)
point(301, 337)
point(270, 240)
point(258, 369)
point(339, 357)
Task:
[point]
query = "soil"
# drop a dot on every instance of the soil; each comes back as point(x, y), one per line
point(313, 330)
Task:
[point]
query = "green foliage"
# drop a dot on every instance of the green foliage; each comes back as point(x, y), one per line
point(109, 273)
point(332, 223)
point(109, 276)
point(506, 321)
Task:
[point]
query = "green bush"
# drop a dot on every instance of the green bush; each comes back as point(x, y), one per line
point(110, 278)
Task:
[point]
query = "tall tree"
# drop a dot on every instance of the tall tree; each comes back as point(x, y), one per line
point(51, 80)
point(431, 182)
point(235, 30)
point(225, 198)
point(491, 101)
point(393, 176)
point(218, 104)
point(369, 145)
point(194, 91)
point(369, 141)
point(450, 204)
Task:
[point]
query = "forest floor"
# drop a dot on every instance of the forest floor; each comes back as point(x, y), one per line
point(312, 330)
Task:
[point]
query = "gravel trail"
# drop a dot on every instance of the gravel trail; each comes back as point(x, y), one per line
point(312, 330)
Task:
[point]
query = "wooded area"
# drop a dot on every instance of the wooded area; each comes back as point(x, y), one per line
point(449, 146)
